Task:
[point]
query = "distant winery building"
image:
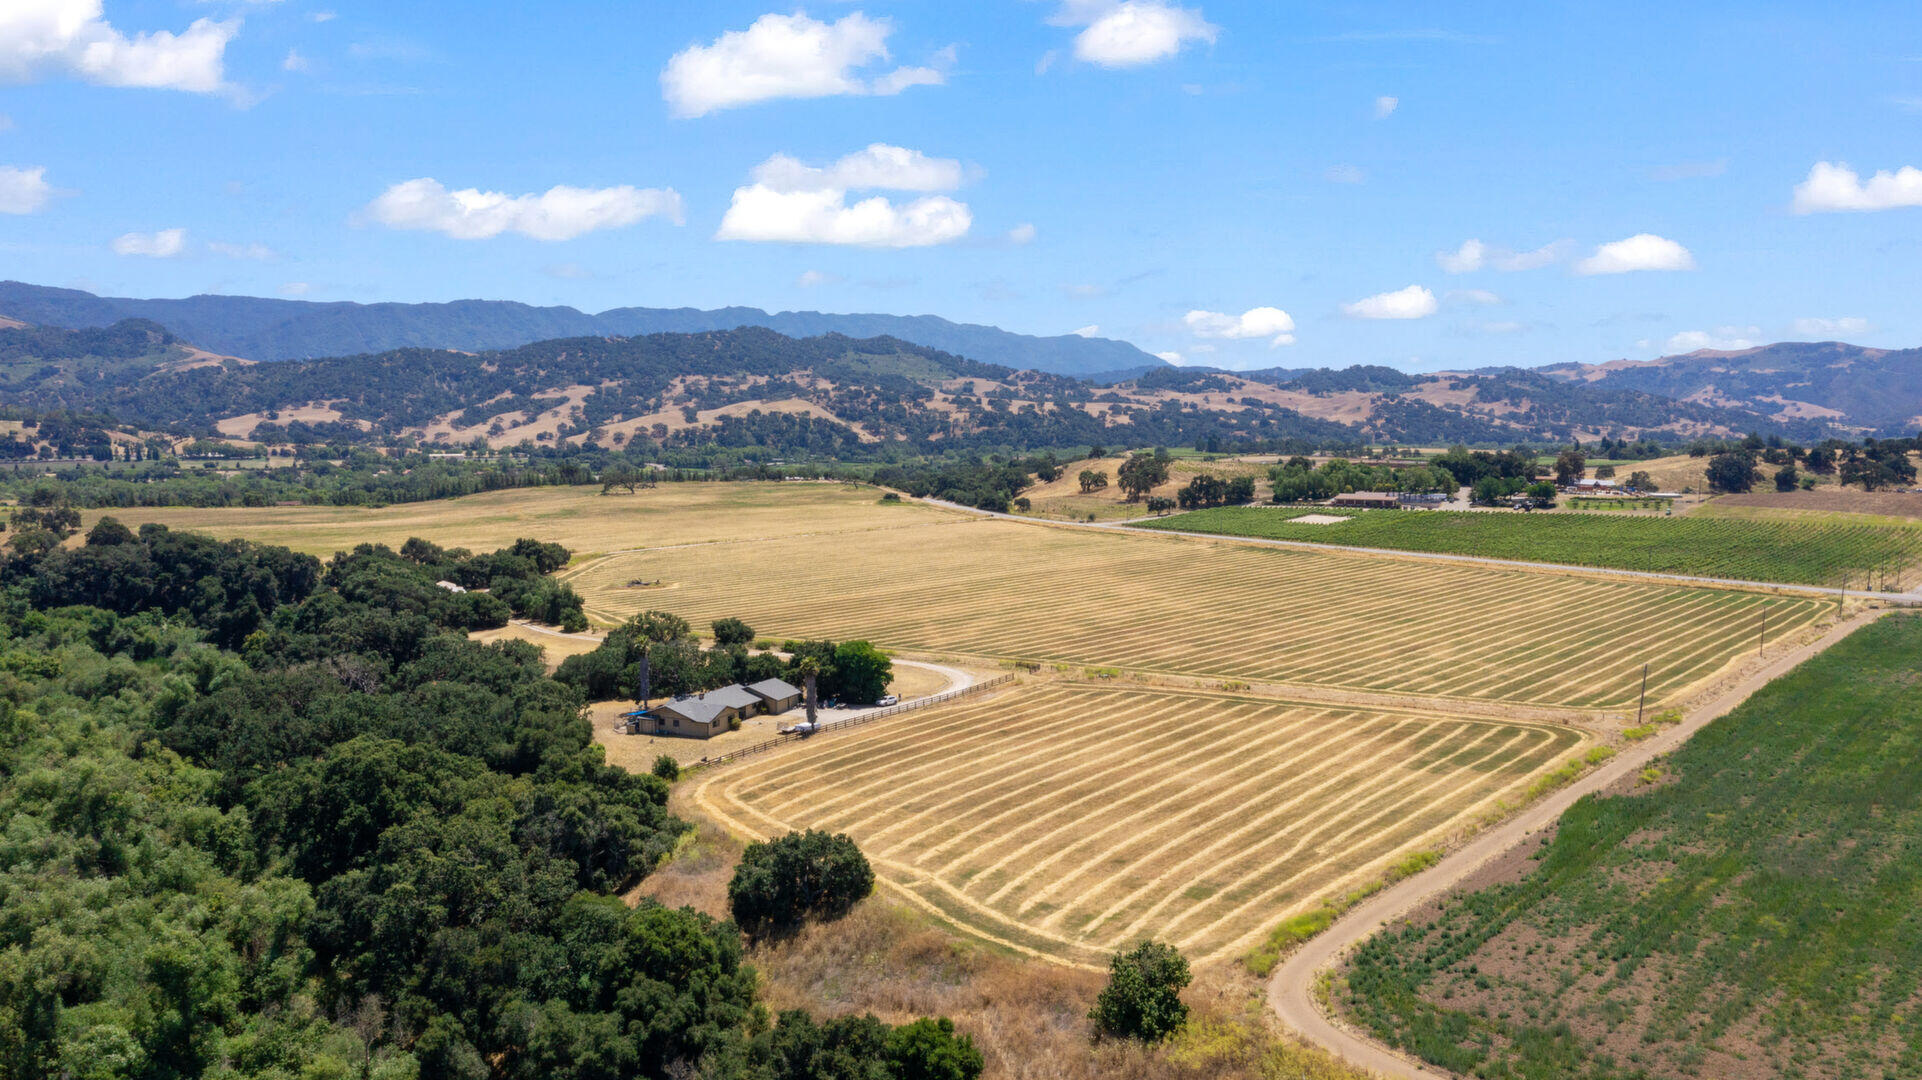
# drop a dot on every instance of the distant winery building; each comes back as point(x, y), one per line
point(1368, 500)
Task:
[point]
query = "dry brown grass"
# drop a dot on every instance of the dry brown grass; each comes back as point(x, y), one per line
point(579, 517)
point(1062, 498)
point(1167, 605)
point(557, 647)
point(1028, 1017)
point(1073, 820)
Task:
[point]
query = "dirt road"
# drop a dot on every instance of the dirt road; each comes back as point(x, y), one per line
point(1291, 991)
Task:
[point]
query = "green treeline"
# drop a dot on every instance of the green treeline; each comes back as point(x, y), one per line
point(269, 819)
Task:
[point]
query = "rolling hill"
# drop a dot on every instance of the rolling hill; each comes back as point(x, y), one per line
point(265, 329)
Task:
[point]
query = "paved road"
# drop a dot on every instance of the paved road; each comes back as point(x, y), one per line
point(1642, 575)
point(1291, 991)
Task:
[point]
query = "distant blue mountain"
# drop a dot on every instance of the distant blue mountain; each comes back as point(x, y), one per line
point(262, 329)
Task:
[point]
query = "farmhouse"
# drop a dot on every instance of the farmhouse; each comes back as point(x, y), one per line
point(776, 696)
point(696, 716)
point(1368, 500)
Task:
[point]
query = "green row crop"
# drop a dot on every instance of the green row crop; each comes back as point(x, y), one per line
point(1788, 552)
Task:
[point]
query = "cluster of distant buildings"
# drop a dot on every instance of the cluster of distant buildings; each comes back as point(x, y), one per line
point(1398, 500)
point(705, 715)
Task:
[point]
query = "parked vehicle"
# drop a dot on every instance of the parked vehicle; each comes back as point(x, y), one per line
point(890, 699)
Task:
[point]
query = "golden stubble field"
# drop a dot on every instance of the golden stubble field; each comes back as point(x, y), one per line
point(581, 518)
point(1069, 819)
point(1174, 606)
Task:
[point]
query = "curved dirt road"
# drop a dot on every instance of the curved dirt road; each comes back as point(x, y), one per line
point(1291, 991)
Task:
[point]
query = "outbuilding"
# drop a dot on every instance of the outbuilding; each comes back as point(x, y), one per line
point(1368, 500)
point(776, 696)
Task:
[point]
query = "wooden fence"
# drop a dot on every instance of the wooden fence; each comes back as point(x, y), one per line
point(852, 721)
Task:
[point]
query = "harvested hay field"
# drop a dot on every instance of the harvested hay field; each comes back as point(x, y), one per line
point(1182, 607)
point(1069, 820)
point(579, 517)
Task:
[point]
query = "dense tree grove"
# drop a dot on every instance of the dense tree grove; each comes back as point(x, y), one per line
point(269, 819)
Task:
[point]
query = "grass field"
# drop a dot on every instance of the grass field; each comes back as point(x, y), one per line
point(1071, 819)
point(579, 517)
point(1759, 914)
point(1807, 552)
point(1162, 604)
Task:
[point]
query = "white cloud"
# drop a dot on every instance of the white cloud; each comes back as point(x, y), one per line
point(322, 16)
point(1262, 322)
point(294, 61)
point(22, 191)
point(560, 213)
point(791, 202)
point(812, 278)
point(1130, 33)
point(164, 244)
point(1724, 339)
point(1829, 328)
point(1021, 234)
point(786, 56)
point(1345, 174)
point(879, 166)
point(1643, 251)
point(259, 252)
point(1385, 106)
point(1836, 187)
point(1474, 255)
point(567, 271)
point(42, 36)
point(1414, 302)
point(295, 288)
point(1171, 356)
point(1463, 260)
point(1473, 296)
point(1089, 330)
point(765, 214)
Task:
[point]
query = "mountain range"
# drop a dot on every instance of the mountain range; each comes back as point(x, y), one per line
point(258, 328)
point(833, 391)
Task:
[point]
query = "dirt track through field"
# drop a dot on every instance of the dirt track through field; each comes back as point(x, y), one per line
point(1070, 819)
point(1291, 990)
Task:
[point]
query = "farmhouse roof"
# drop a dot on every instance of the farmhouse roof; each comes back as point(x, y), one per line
point(735, 695)
point(700, 710)
point(773, 689)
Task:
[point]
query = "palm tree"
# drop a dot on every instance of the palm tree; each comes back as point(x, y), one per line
point(809, 668)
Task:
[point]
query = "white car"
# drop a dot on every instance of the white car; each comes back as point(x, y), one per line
point(890, 699)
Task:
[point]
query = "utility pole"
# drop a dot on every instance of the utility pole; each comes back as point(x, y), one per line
point(1643, 703)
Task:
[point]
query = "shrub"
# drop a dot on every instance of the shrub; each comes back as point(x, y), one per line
point(928, 1049)
point(1143, 997)
point(785, 881)
point(666, 768)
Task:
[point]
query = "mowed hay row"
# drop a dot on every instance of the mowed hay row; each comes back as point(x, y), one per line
point(1168, 605)
point(1072, 820)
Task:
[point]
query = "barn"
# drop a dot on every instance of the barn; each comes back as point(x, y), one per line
point(1368, 500)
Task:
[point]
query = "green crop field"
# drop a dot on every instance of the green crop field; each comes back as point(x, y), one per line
point(1790, 552)
point(1758, 914)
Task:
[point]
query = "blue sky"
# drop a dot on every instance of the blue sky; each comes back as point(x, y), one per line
point(1244, 184)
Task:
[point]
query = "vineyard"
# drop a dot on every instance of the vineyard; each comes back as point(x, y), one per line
point(1158, 604)
point(1790, 552)
point(1756, 916)
point(1070, 819)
